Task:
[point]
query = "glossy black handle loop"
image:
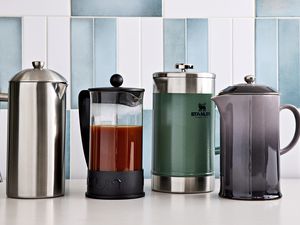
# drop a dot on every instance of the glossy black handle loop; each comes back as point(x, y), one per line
point(217, 150)
point(84, 120)
point(295, 139)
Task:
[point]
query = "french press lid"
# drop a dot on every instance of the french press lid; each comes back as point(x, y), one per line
point(183, 73)
point(38, 74)
point(117, 94)
point(116, 80)
point(248, 88)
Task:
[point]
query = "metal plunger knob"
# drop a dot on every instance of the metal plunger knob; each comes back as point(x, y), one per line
point(249, 79)
point(183, 67)
point(38, 64)
point(116, 80)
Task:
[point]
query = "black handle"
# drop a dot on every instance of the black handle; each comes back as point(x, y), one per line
point(84, 120)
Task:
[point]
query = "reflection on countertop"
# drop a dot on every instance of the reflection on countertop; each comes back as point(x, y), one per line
point(156, 208)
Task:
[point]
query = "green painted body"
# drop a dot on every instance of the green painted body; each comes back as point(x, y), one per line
point(183, 140)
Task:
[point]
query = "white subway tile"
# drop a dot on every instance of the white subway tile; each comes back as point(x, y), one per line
point(128, 51)
point(152, 54)
point(3, 141)
point(78, 168)
point(243, 49)
point(35, 7)
point(59, 48)
point(34, 40)
point(208, 8)
point(220, 51)
point(289, 162)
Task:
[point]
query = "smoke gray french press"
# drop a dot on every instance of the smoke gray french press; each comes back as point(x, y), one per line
point(250, 147)
point(36, 133)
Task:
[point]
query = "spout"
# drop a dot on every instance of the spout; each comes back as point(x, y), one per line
point(60, 89)
point(220, 101)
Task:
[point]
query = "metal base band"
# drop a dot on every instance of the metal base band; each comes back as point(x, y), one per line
point(183, 184)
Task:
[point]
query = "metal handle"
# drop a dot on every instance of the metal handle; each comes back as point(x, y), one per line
point(183, 67)
point(3, 97)
point(84, 119)
point(295, 139)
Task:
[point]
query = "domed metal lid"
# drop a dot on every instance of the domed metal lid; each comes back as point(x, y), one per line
point(183, 73)
point(38, 74)
point(248, 89)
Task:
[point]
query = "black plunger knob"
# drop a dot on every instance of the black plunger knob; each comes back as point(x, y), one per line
point(116, 80)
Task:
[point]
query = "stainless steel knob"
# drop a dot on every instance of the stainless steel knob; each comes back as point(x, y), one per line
point(249, 79)
point(38, 64)
point(183, 67)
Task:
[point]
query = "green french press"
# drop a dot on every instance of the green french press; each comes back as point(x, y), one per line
point(183, 131)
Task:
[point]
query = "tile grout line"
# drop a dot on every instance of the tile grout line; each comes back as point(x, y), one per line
point(232, 51)
point(163, 36)
point(117, 46)
point(47, 42)
point(298, 43)
point(69, 103)
point(209, 45)
point(22, 41)
point(232, 56)
point(185, 41)
point(254, 8)
point(277, 53)
point(140, 52)
point(162, 50)
point(254, 46)
point(93, 44)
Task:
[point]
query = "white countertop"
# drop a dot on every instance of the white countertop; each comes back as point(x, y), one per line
point(156, 208)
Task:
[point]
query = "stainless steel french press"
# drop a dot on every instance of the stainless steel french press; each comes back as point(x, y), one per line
point(36, 133)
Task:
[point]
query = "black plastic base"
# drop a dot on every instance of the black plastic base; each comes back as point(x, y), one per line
point(115, 185)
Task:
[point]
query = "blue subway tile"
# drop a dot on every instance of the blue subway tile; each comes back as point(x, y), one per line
point(82, 57)
point(136, 8)
point(266, 52)
point(197, 43)
point(277, 8)
point(67, 145)
point(10, 51)
point(174, 43)
point(289, 67)
point(147, 142)
point(105, 43)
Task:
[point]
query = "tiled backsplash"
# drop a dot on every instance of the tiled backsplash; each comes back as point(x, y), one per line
point(88, 41)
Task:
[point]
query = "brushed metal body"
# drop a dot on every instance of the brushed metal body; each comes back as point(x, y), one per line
point(36, 133)
point(36, 140)
point(202, 83)
point(183, 184)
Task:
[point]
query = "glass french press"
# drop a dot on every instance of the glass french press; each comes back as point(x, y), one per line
point(111, 120)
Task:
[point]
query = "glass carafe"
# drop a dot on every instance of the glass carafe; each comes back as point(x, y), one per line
point(111, 127)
